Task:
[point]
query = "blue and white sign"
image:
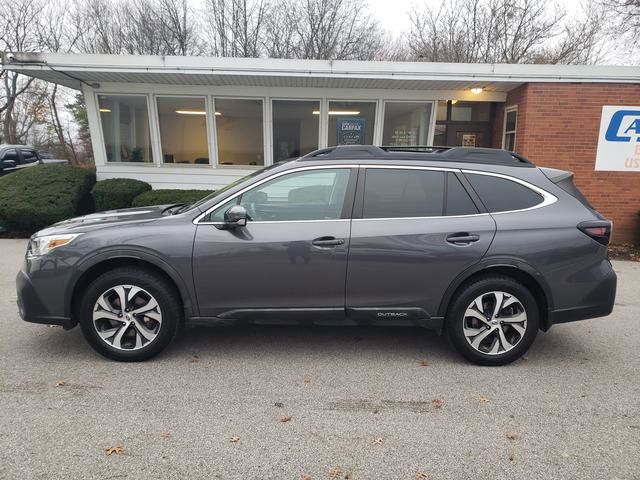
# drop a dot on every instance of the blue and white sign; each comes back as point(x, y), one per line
point(350, 131)
point(619, 139)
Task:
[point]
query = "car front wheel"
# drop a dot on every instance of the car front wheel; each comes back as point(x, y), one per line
point(129, 314)
point(493, 320)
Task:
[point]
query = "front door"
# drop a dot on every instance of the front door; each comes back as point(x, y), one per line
point(414, 230)
point(290, 258)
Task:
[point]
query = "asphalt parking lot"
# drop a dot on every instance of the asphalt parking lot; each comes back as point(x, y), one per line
point(361, 403)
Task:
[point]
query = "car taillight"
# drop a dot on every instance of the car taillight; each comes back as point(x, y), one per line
point(599, 230)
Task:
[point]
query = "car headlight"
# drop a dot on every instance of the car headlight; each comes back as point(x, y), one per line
point(42, 245)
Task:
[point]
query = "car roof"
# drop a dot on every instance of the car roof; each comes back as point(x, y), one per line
point(420, 154)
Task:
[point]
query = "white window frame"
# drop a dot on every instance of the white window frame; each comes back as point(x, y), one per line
point(207, 129)
point(154, 137)
point(512, 108)
point(293, 99)
point(267, 157)
point(432, 118)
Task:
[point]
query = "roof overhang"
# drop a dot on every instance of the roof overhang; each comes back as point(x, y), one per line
point(72, 70)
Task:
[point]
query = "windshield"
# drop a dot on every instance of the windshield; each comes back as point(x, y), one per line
point(230, 186)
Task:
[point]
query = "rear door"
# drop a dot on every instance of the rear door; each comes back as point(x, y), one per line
point(414, 230)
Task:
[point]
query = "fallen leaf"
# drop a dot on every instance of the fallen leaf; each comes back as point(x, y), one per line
point(306, 477)
point(307, 380)
point(285, 419)
point(376, 411)
point(484, 399)
point(61, 383)
point(335, 473)
point(512, 436)
point(278, 404)
point(234, 439)
point(437, 403)
point(424, 363)
point(420, 475)
point(117, 449)
point(512, 456)
point(195, 359)
point(166, 435)
point(378, 441)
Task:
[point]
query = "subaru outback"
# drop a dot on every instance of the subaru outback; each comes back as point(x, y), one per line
point(478, 244)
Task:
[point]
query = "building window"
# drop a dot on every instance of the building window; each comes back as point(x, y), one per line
point(295, 128)
point(125, 128)
point(183, 130)
point(406, 123)
point(461, 123)
point(510, 119)
point(239, 131)
point(351, 123)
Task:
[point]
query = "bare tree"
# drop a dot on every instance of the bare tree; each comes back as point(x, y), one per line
point(235, 27)
point(628, 11)
point(505, 31)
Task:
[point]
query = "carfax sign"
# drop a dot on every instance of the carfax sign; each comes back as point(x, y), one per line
point(350, 131)
point(619, 139)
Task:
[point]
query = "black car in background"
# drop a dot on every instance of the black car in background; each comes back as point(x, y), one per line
point(17, 157)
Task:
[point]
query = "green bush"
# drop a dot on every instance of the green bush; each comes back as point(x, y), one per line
point(166, 197)
point(117, 193)
point(36, 197)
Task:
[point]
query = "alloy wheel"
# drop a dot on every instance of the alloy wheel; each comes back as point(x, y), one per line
point(494, 323)
point(127, 317)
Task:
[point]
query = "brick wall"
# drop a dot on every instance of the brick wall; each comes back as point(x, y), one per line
point(557, 126)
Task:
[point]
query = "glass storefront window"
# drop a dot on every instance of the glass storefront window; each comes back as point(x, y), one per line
point(125, 128)
point(183, 130)
point(406, 123)
point(351, 123)
point(295, 128)
point(470, 111)
point(239, 130)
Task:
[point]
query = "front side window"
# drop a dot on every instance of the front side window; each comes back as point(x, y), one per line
point(406, 123)
point(307, 195)
point(125, 128)
point(239, 131)
point(401, 193)
point(183, 130)
point(11, 155)
point(501, 194)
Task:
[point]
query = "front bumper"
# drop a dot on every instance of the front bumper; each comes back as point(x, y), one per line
point(31, 307)
point(599, 302)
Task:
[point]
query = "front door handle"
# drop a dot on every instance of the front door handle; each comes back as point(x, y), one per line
point(327, 241)
point(462, 238)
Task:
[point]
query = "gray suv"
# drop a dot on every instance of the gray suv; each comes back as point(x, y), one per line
point(478, 244)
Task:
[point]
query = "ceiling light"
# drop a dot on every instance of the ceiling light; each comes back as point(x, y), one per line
point(477, 90)
point(453, 102)
point(191, 112)
point(105, 110)
point(338, 112)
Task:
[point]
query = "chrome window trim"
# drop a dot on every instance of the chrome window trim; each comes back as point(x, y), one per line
point(547, 198)
point(272, 177)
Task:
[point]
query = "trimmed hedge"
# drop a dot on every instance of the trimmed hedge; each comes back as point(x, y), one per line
point(169, 196)
point(39, 196)
point(117, 193)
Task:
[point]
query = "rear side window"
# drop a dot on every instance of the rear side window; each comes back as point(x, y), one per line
point(29, 156)
point(501, 195)
point(458, 200)
point(401, 193)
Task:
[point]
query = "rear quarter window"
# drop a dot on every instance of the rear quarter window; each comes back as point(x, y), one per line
point(503, 195)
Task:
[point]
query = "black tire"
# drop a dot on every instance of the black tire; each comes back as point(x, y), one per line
point(162, 291)
point(455, 319)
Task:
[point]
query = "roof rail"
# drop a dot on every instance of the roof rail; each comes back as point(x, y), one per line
point(421, 152)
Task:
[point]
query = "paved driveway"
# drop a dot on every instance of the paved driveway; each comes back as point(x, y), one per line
point(361, 405)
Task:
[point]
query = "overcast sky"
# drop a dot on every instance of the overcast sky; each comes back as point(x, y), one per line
point(393, 15)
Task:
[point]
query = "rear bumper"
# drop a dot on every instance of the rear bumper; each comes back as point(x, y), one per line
point(600, 302)
point(31, 307)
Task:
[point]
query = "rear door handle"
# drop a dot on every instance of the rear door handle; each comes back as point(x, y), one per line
point(462, 238)
point(327, 241)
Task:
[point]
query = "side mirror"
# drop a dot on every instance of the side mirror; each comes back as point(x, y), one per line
point(235, 217)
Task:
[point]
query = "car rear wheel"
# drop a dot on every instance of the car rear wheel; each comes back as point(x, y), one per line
point(129, 314)
point(493, 320)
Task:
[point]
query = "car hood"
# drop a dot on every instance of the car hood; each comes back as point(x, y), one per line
point(106, 219)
